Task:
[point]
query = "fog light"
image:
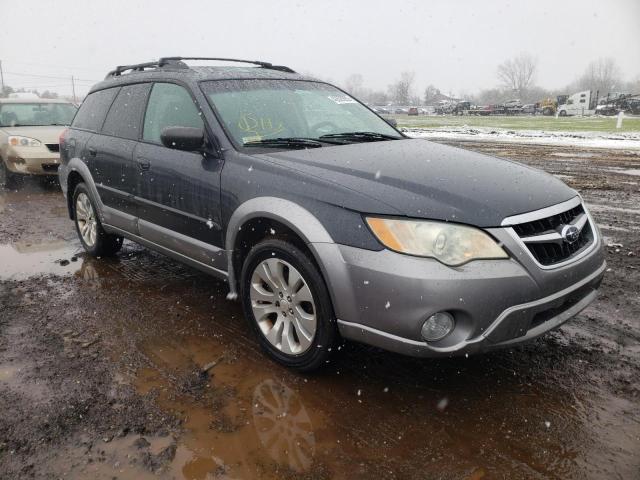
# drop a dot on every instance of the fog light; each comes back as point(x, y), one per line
point(437, 326)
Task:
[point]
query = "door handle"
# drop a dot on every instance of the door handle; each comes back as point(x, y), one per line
point(92, 151)
point(143, 163)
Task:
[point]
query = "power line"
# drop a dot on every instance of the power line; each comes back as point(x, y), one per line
point(67, 67)
point(47, 76)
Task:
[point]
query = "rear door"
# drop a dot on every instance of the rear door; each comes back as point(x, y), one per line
point(179, 192)
point(114, 146)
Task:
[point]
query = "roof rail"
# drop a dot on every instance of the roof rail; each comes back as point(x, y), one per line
point(282, 68)
point(141, 67)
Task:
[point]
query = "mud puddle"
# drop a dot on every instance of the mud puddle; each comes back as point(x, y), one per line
point(22, 260)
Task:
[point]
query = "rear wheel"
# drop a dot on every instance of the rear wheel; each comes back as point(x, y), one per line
point(563, 113)
point(287, 304)
point(95, 240)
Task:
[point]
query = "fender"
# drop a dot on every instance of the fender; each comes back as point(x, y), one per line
point(297, 218)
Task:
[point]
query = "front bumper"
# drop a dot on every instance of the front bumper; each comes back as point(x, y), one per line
point(383, 298)
point(32, 161)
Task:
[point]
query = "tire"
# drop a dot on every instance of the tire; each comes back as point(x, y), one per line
point(562, 113)
point(7, 178)
point(93, 237)
point(284, 330)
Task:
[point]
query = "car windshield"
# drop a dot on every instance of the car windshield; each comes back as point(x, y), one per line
point(260, 110)
point(36, 114)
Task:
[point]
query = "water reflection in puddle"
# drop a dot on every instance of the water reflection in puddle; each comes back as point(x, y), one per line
point(22, 260)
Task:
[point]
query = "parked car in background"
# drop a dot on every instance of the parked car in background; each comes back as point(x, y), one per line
point(529, 109)
point(326, 221)
point(381, 110)
point(401, 111)
point(413, 111)
point(29, 132)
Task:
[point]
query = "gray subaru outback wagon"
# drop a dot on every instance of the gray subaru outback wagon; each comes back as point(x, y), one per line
point(325, 220)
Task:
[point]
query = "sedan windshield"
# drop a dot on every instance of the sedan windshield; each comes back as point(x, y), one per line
point(257, 112)
point(36, 114)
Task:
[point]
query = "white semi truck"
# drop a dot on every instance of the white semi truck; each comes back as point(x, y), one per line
point(581, 103)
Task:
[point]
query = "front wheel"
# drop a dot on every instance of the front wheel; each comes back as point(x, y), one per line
point(7, 178)
point(288, 306)
point(95, 240)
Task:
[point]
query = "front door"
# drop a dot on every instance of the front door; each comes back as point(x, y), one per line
point(179, 192)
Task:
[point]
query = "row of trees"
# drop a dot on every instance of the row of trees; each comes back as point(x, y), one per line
point(516, 78)
point(8, 90)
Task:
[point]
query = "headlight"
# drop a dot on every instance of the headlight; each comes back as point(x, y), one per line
point(18, 141)
point(449, 243)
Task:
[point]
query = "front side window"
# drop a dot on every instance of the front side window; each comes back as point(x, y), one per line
point(36, 114)
point(255, 110)
point(169, 105)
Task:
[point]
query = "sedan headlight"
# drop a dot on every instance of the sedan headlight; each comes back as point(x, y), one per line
point(449, 243)
point(19, 141)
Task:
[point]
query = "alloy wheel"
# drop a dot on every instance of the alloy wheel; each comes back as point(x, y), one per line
point(283, 306)
point(86, 220)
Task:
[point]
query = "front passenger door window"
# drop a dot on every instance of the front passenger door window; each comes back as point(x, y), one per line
point(169, 106)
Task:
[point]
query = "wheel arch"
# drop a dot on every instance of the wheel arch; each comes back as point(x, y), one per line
point(255, 219)
point(75, 172)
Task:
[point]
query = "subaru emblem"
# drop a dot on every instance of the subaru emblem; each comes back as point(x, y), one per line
point(570, 234)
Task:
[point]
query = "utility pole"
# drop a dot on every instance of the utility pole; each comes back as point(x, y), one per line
point(1, 79)
point(73, 88)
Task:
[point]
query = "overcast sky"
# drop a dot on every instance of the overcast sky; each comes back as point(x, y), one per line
point(455, 45)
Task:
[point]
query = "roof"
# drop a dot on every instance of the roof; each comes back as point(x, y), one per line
point(33, 100)
point(179, 70)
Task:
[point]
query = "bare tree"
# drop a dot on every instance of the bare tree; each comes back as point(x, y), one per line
point(402, 90)
point(518, 73)
point(430, 94)
point(602, 75)
point(353, 84)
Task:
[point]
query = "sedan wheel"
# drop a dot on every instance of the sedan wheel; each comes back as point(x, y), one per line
point(283, 306)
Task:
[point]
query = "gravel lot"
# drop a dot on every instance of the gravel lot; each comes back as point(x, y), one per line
point(138, 367)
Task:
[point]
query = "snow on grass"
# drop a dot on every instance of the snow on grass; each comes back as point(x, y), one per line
point(587, 139)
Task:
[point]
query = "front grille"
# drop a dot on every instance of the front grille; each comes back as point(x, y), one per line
point(53, 147)
point(546, 225)
point(543, 237)
point(50, 167)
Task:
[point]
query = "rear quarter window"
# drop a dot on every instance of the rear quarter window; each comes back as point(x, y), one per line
point(94, 109)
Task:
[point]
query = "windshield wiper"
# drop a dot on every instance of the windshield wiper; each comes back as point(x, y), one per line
point(290, 142)
point(360, 136)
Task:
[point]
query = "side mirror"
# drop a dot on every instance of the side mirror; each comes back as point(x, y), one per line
point(392, 122)
point(183, 138)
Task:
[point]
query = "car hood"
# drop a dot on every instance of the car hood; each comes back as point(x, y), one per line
point(45, 133)
point(422, 179)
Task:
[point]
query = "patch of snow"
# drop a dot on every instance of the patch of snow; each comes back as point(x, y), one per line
point(618, 141)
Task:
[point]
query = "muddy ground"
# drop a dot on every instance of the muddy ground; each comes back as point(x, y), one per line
point(101, 369)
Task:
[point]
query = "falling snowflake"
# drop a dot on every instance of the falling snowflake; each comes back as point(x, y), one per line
point(377, 174)
point(387, 305)
point(210, 223)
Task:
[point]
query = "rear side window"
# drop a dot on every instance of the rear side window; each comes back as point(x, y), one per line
point(125, 116)
point(94, 109)
point(169, 106)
